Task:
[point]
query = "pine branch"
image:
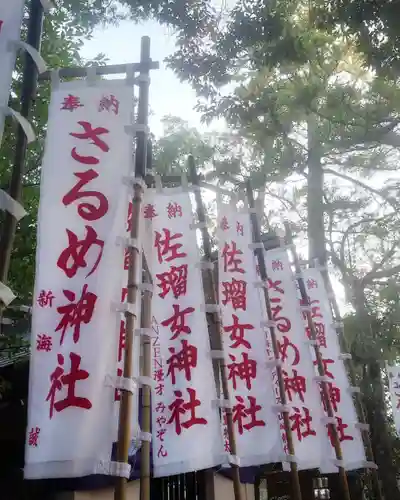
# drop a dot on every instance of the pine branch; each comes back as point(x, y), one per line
point(391, 201)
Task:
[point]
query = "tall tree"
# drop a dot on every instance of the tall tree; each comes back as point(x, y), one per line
point(371, 24)
point(310, 107)
point(171, 150)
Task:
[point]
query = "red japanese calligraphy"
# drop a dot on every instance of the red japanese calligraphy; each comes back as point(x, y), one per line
point(159, 389)
point(74, 256)
point(302, 423)
point(340, 427)
point(109, 103)
point(311, 283)
point(224, 224)
point(91, 134)
point(245, 370)
point(226, 437)
point(319, 329)
point(283, 324)
point(174, 210)
point(162, 452)
point(235, 292)
point(284, 345)
point(245, 417)
point(174, 280)
point(60, 379)
point(122, 340)
point(277, 265)
point(74, 314)
point(70, 103)
point(334, 395)
point(184, 360)
point(274, 286)
point(159, 375)
point(149, 211)
point(294, 385)
point(176, 322)
point(325, 363)
point(164, 246)
point(44, 342)
point(179, 408)
point(160, 434)
point(230, 255)
point(160, 408)
point(237, 333)
point(315, 310)
point(87, 211)
point(129, 218)
point(45, 299)
point(239, 229)
point(33, 438)
point(117, 392)
point(161, 420)
point(127, 258)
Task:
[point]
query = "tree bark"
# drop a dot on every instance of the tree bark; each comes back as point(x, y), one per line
point(315, 194)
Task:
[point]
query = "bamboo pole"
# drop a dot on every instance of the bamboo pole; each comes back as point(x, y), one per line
point(320, 365)
point(353, 380)
point(125, 413)
point(294, 473)
point(146, 393)
point(217, 322)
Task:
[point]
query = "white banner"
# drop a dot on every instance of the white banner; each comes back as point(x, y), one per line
point(302, 391)
point(11, 14)
point(393, 373)
point(339, 389)
point(256, 424)
point(75, 321)
point(186, 425)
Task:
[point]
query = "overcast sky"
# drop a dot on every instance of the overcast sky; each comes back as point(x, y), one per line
point(121, 44)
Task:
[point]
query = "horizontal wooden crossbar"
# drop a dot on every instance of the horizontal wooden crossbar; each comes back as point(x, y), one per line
point(113, 69)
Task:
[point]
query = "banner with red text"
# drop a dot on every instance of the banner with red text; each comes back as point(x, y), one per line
point(393, 373)
point(339, 388)
point(11, 13)
point(186, 425)
point(302, 391)
point(250, 382)
point(79, 271)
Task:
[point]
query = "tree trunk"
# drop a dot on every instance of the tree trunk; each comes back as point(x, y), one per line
point(315, 195)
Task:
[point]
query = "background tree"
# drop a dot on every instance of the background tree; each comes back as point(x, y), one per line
point(371, 24)
point(302, 95)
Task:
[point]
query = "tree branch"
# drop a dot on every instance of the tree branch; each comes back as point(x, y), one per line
point(385, 273)
point(391, 201)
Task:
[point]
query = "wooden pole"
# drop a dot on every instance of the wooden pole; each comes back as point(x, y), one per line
point(146, 393)
point(353, 380)
point(320, 365)
point(201, 215)
point(294, 473)
point(125, 413)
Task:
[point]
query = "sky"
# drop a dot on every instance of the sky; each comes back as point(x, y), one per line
point(168, 96)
